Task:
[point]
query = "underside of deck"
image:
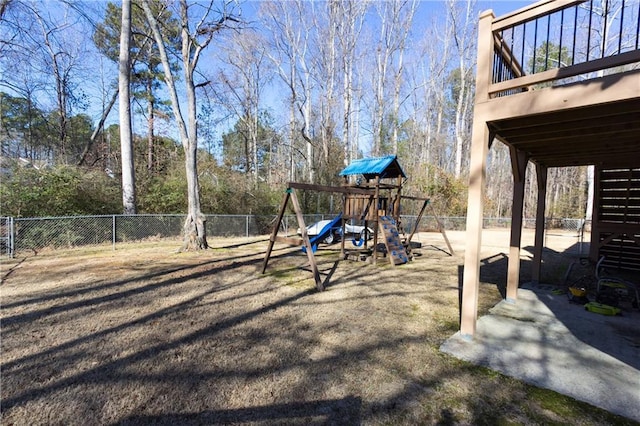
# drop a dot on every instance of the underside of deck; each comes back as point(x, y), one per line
point(585, 113)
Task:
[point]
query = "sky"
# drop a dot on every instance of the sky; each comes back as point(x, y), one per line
point(426, 9)
point(502, 7)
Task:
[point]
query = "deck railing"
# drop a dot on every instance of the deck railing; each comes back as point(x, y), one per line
point(563, 41)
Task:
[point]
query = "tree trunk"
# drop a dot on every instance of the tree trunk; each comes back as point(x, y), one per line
point(194, 230)
point(126, 144)
point(150, 126)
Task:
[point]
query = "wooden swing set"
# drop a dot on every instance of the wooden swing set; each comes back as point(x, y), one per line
point(361, 202)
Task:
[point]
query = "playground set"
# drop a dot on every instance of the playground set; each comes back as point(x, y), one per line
point(373, 197)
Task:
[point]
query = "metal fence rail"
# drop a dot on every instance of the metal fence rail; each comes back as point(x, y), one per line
point(33, 234)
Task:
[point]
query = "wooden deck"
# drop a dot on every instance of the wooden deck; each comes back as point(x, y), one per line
point(585, 112)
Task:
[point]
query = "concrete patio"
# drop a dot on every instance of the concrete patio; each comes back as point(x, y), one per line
point(551, 343)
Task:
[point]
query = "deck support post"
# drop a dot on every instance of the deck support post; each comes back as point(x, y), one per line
point(519, 160)
point(541, 174)
point(475, 205)
point(480, 140)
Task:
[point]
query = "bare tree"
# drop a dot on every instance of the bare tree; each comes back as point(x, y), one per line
point(350, 15)
point(51, 53)
point(326, 67)
point(291, 30)
point(195, 37)
point(61, 56)
point(395, 23)
point(126, 136)
point(463, 24)
point(384, 51)
point(245, 81)
point(284, 36)
point(405, 23)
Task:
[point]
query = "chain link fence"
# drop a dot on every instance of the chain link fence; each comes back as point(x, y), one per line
point(33, 234)
point(6, 236)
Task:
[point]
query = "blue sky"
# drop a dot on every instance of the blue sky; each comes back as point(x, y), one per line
point(502, 7)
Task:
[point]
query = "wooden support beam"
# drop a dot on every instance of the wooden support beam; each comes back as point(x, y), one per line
point(274, 233)
point(415, 227)
point(594, 246)
point(475, 205)
point(325, 188)
point(307, 244)
point(367, 186)
point(342, 226)
point(375, 225)
point(442, 230)
point(480, 140)
point(290, 241)
point(519, 160)
point(541, 174)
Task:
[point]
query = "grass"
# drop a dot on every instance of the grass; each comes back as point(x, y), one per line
point(144, 335)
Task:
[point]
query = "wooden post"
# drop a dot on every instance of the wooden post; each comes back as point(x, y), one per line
point(396, 205)
point(519, 160)
point(475, 206)
point(274, 233)
point(375, 226)
point(479, 148)
point(307, 244)
point(345, 198)
point(541, 174)
point(418, 219)
point(594, 245)
point(442, 231)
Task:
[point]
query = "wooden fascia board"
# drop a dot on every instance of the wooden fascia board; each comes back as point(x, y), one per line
point(629, 110)
point(570, 161)
point(629, 133)
point(608, 89)
point(542, 128)
point(574, 156)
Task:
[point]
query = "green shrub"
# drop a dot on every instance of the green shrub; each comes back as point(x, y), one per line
point(59, 191)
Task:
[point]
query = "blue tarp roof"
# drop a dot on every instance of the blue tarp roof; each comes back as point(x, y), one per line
point(385, 167)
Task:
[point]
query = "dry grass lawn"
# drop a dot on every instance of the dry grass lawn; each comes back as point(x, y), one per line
point(144, 335)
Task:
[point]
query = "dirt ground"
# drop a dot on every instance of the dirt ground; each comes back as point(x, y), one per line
point(145, 335)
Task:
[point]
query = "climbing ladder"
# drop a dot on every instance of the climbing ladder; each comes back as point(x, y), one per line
point(395, 249)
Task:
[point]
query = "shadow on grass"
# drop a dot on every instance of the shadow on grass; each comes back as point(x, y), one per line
point(127, 364)
point(240, 339)
point(216, 265)
point(332, 411)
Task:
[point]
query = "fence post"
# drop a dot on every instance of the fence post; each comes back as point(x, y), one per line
point(11, 238)
point(113, 231)
point(247, 225)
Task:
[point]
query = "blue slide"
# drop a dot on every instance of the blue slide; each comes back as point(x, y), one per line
point(324, 233)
